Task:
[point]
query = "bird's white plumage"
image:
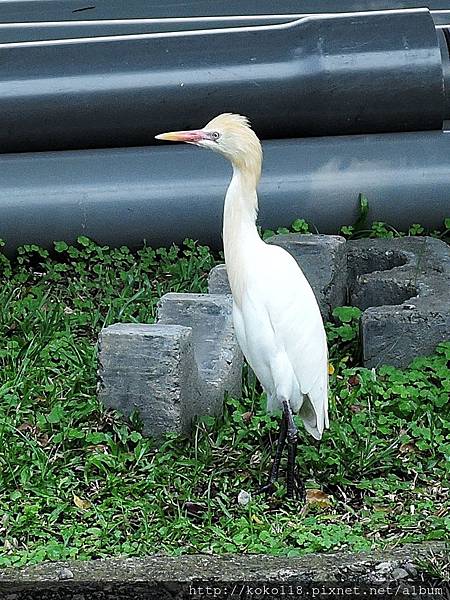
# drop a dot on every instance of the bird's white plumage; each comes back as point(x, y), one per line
point(276, 316)
point(279, 328)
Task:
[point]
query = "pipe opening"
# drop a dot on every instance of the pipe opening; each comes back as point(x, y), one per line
point(447, 38)
point(444, 43)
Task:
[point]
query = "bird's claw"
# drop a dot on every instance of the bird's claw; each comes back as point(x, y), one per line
point(268, 488)
point(298, 492)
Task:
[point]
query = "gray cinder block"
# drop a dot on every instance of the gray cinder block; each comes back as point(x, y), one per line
point(174, 370)
point(218, 280)
point(150, 369)
point(403, 286)
point(322, 259)
point(217, 354)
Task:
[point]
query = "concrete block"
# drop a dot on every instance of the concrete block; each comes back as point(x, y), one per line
point(175, 370)
point(216, 351)
point(150, 369)
point(322, 259)
point(218, 280)
point(402, 285)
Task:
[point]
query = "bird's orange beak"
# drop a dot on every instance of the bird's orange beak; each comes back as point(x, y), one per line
point(190, 137)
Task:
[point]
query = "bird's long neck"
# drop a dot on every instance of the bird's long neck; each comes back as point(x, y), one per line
point(240, 235)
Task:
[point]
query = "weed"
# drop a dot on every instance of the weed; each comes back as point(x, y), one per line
point(437, 565)
point(360, 228)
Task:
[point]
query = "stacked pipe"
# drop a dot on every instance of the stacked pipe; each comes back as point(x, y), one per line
point(346, 103)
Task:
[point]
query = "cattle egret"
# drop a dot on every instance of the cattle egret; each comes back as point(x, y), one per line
point(276, 317)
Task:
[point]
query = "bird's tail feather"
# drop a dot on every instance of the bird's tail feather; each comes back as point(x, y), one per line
point(314, 423)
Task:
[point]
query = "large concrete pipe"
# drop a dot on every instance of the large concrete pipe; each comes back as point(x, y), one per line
point(320, 75)
point(165, 194)
point(67, 10)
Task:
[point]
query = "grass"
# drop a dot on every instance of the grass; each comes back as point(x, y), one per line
point(436, 564)
point(77, 481)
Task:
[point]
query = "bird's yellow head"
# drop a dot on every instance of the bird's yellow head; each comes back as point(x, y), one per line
point(229, 135)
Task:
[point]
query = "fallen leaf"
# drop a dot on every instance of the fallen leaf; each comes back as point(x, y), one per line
point(330, 369)
point(194, 508)
point(408, 448)
point(80, 503)
point(102, 448)
point(43, 440)
point(355, 408)
point(353, 381)
point(255, 458)
point(26, 427)
point(317, 498)
point(247, 417)
point(257, 520)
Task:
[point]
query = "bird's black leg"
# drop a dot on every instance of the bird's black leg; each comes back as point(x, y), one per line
point(268, 487)
point(294, 485)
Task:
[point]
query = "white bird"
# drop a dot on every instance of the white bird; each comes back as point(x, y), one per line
point(276, 317)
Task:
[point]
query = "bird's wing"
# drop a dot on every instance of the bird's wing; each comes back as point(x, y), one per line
point(298, 333)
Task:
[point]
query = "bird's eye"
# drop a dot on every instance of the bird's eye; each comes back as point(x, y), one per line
point(215, 135)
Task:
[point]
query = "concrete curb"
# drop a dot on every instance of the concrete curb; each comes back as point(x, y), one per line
point(368, 567)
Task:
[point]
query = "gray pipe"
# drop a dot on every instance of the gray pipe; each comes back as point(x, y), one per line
point(441, 17)
point(165, 194)
point(67, 10)
point(321, 75)
point(60, 30)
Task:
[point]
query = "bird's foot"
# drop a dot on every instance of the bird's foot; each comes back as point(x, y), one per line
point(297, 491)
point(268, 488)
point(295, 488)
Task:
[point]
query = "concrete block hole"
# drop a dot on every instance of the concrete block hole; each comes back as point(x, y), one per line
point(380, 290)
